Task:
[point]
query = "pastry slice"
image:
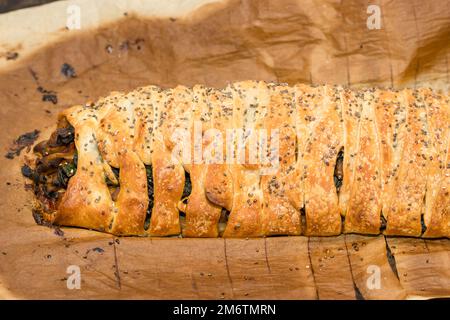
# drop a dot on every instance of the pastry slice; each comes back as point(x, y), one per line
point(363, 206)
point(202, 216)
point(281, 216)
point(390, 118)
point(87, 201)
point(246, 217)
point(323, 143)
point(131, 204)
point(437, 202)
point(167, 171)
point(305, 98)
point(406, 201)
point(219, 174)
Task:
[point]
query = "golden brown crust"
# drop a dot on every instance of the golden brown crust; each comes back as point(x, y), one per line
point(305, 100)
point(406, 203)
point(219, 179)
point(144, 123)
point(281, 216)
point(246, 217)
point(437, 209)
point(390, 117)
point(396, 161)
point(324, 141)
point(168, 173)
point(363, 210)
point(168, 179)
point(202, 216)
point(351, 108)
point(132, 201)
point(87, 201)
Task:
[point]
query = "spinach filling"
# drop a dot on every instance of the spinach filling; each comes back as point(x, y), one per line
point(339, 171)
point(66, 170)
point(187, 189)
point(150, 192)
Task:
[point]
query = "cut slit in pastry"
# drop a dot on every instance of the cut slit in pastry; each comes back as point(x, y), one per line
point(340, 160)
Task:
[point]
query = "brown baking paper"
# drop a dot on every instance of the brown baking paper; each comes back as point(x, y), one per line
point(212, 44)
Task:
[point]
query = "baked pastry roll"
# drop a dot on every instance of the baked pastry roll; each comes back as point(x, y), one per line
point(253, 159)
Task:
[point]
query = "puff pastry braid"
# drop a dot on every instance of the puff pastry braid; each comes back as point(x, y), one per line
point(355, 161)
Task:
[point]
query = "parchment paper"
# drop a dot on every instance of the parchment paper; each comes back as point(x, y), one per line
point(213, 44)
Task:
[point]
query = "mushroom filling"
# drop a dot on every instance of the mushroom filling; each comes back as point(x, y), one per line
point(383, 223)
point(187, 189)
point(187, 186)
point(56, 163)
point(339, 170)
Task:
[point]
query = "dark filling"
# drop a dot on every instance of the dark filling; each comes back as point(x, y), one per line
point(224, 214)
point(223, 220)
point(66, 170)
point(339, 171)
point(150, 191)
point(64, 136)
point(187, 185)
point(383, 223)
point(422, 221)
point(56, 163)
point(303, 219)
point(422, 217)
point(187, 189)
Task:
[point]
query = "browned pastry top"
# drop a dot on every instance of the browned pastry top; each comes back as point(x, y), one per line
point(308, 160)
